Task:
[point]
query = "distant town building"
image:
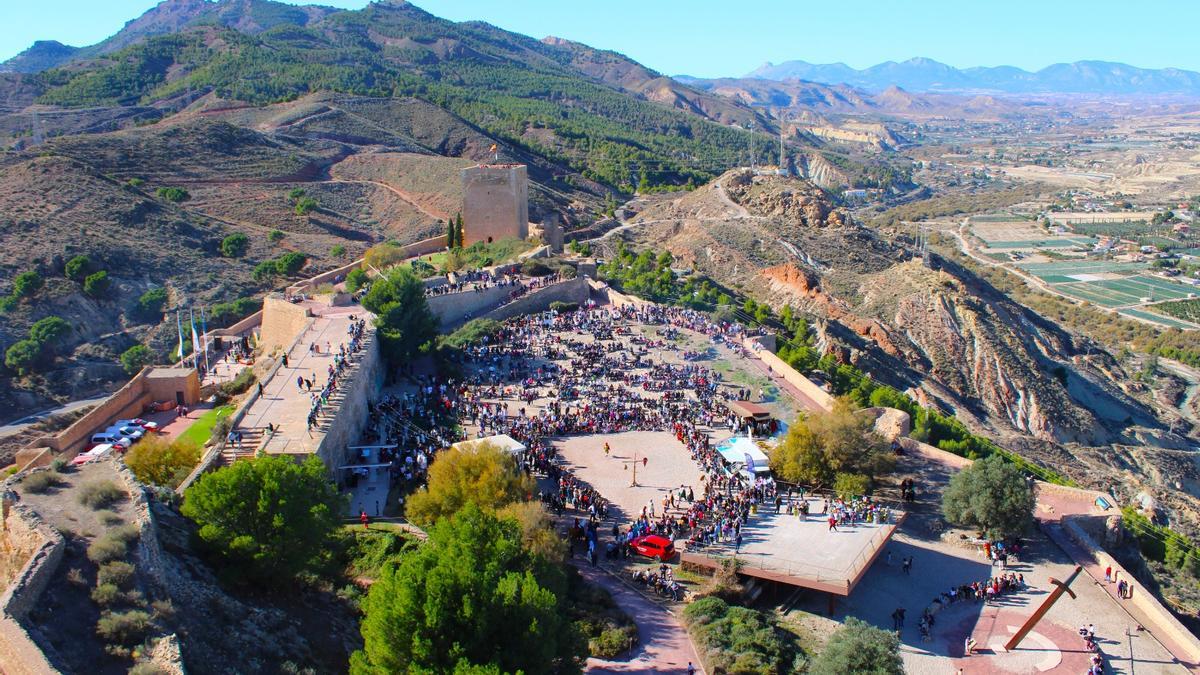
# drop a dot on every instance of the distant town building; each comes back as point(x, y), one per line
point(495, 203)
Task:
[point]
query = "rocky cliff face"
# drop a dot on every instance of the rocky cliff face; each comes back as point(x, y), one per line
point(932, 328)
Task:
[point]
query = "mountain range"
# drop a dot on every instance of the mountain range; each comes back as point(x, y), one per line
point(927, 75)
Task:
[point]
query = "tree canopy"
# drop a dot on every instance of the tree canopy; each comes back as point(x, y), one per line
point(267, 518)
point(471, 599)
point(821, 446)
point(404, 323)
point(136, 357)
point(860, 648)
point(991, 495)
point(482, 474)
point(156, 461)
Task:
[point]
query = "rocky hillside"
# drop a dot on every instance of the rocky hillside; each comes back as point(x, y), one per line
point(201, 120)
point(927, 326)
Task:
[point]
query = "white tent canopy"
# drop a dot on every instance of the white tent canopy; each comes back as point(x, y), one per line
point(736, 450)
point(503, 441)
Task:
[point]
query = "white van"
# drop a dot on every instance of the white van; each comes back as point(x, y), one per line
point(112, 438)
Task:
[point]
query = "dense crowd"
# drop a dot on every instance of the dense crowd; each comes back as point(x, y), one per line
point(342, 361)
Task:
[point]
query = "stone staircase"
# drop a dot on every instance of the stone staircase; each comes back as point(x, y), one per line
point(252, 438)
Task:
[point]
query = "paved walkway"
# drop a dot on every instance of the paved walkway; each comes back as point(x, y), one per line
point(283, 404)
point(663, 642)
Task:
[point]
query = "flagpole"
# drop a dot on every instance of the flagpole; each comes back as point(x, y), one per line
point(179, 327)
point(204, 333)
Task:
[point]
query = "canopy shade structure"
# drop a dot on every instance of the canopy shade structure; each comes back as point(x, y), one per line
point(503, 441)
point(736, 451)
point(749, 411)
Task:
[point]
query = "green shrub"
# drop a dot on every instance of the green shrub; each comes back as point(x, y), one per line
point(151, 303)
point(100, 493)
point(27, 283)
point(337, 251)
point(564, 307)
point(356, 279)
point(239, 383)
point(173, 194)
point(106, 595)
point(848, 485)
point(97, 284)
point(125, 628)
point(135, 182)
point(106, 549)
point(290, 263)
point(58, 465)
point(305, 204)
point(264, 271)
point(137, 357)
point(109, 518)
point(228, 313)
point(117, 573)
point(275, 236)
point(612, 642)
point(738, 639)
point(235, 245)
point(147, 668)
point(41, 481)
point(23, 356)
point(126, 533)
point(78, 268)
point(296, 193)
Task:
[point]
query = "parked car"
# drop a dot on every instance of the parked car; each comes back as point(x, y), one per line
point(128, 431)
point(111, 438)
point(654, 546)
point(93, 454)
point(147, 425)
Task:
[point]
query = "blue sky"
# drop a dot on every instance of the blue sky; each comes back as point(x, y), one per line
point(717, 37)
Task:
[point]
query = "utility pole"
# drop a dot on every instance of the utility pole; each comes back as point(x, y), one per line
point(750, 126)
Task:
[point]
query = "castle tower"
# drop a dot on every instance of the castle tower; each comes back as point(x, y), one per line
point(495, 202)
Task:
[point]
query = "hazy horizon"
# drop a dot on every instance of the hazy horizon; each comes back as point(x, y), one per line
point(705, 39)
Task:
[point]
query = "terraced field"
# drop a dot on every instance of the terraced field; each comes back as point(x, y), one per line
point(1129, 291)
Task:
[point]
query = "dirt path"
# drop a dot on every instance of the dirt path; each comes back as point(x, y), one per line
point(404, 196)
point(664, 645)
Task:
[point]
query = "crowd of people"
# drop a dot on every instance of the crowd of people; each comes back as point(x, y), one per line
point(474, 281)
point(336, 371)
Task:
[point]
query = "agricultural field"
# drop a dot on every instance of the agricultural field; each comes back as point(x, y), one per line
point(1112, 293)
point(1001, 233)
point(1159, 319)
point(1080, 270)
point(1188, 310)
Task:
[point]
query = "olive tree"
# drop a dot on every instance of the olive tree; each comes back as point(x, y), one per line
point(991, 495)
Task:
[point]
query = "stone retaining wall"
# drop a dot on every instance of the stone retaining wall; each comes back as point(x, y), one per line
point(573, 290)
point(455, 308)
point(347, 425)
point(19, 654)
point(1166, 625)
point(790, 374)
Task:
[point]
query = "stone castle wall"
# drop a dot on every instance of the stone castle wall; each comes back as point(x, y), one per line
point(351, 418)
point(495, 203)
point(572, 290)
point(23, 533)
point(282, 323)
point(457, 307)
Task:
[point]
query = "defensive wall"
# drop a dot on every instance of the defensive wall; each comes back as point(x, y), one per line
point(352, 414)
point(759, 347)
point(150, 384)
point(38, 549)
point(571, 290)
point(282, 321)
point(453, 308)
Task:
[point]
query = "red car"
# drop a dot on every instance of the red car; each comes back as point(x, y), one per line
point(654, 546)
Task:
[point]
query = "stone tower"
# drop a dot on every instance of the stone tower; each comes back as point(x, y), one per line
point(495, 202)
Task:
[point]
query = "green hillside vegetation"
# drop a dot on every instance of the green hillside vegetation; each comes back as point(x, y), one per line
point(507, 85)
